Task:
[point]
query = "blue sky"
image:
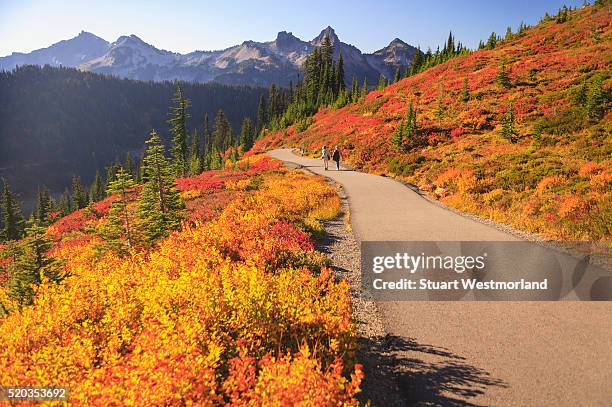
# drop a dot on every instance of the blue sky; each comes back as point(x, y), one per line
point(188, 25)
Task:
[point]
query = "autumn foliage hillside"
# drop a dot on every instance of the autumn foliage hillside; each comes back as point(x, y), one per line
point(235, 308)
point(520, 133)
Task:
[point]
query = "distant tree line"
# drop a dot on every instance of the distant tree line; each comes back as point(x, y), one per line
point(56, 122)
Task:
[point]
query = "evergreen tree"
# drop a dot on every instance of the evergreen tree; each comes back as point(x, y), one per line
point(33, 265)
point(178, 121)
point(581, 95)
point(502, 77)
point(262, 115)
point(139, 170)
point(215, 160)
point(44, 206)
point(382, 82)
point(562, 15)
point(96, 191)
point(159, 205)
point(492, 41)
point(273, 102)
point(417, 61)
point(110, 173)
point(129, 164)
point(364, 88)
point(206, 135)
point(65, 204)
point(406, 134)
point(440, 105)
point(595, 100)
point(354, 90)
point(246, 135)
point(398, 74)
point(465, 91)
point(449, 47)
point(327, 51)
point(195, 157)
point(79, 196)
point(398, 135)
point(411, 127)
point(222, 133)
point(508, 132)
point(12, 220)
point(339, 75)
point(117, 232)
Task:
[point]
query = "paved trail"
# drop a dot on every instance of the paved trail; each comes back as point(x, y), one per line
point(475, 353)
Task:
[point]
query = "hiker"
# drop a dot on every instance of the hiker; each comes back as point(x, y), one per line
point(325, 156)
point(336, 156)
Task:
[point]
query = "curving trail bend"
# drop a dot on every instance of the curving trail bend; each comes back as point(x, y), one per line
point(474, 353)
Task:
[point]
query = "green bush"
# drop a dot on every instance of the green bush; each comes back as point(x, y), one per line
point(568, 122)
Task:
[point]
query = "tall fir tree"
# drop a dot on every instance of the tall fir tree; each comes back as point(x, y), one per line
point(139, 171)
point(129, 164)
point(195, 157)
point(465, 90)
point(262, 115)
point(222, 133)
point(159, 205)
point(398, 135)
point(508, 132)
point(440, 104)
point(339, 75)
point(96, 191)
point(12, 219)
point(398, 74)
point(33, 265)
point(354, 90)
point(178, 123)
point(246, 135)
point(65, 203)
point(502, 77)
point(273, 102)
point(118, 230)
point(110, 173)
point(581, 95)
point(595, 100)
point(79, 196)
point(417, 61)
point(492, 41)
point(364, 88)
point(44, 206)
point(206, 139)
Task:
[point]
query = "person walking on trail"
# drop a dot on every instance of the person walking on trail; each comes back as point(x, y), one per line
point(336, 156)
point(325, 157)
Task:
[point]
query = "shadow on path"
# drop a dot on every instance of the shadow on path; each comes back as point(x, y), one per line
point(451, 381)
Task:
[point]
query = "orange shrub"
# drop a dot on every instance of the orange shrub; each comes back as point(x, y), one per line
point(548, 182)
point(233, 310)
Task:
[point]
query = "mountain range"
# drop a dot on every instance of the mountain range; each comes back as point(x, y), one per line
point(250, 63)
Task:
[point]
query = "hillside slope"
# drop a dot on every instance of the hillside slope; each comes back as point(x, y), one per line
point(547, 170)
point(235, 308)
